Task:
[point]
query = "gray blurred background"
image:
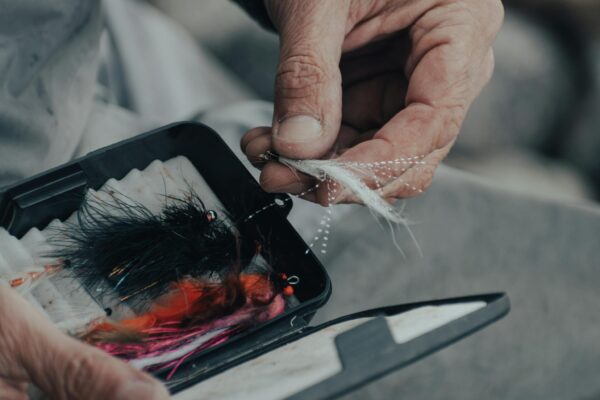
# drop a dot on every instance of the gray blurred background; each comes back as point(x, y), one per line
point(535, 128)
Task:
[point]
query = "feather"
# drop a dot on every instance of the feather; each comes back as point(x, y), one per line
point(177, 326)
point(351, 176)
point(138, 252)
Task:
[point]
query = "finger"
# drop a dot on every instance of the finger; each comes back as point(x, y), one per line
point(377, 177)
point(13, 391)
point(308, 83)
point(253, 134)
point(278, 178)
point(62, 367)
point(257, 147)
point(258, 143)
point(448, 75)
point(416, 180)
point(384, 19)
point(80, 371)
point(450, 52)
point(309, 196)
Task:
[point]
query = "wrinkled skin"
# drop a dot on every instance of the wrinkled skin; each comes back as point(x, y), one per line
point(32, 350)
point(383, 80)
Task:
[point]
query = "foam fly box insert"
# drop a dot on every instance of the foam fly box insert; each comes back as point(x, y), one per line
point(284, 357)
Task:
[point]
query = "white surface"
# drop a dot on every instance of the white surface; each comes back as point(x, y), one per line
point(312, 359)
point(417, 322)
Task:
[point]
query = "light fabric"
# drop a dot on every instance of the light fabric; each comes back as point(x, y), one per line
point(79, 74)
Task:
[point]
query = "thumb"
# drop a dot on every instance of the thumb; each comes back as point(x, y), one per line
point(71, 370)
point(308, 92)
point(61, 367)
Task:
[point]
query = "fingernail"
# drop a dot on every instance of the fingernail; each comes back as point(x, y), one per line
point(299, 128)
point(142, 390)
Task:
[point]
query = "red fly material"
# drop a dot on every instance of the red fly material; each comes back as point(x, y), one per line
point(31, 277)
point(158, 338)
point(192, 301)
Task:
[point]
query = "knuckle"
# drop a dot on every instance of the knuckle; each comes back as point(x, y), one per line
point(85, 372)
point(490, 16)
point(426, 178)
point(453, 119)
point(478, 19)
point(78, 372)
point(446, 125)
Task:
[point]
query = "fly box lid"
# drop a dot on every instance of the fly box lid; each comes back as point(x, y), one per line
point(298, 361)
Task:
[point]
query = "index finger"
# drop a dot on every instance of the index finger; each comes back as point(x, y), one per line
point(450, 62)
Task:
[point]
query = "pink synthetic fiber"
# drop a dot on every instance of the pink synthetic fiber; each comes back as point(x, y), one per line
point(169, 337)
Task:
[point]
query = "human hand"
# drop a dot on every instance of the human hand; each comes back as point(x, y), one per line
point(373, 80)
point(32, 350)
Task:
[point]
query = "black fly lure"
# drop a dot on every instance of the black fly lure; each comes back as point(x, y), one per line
point(138, 252)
